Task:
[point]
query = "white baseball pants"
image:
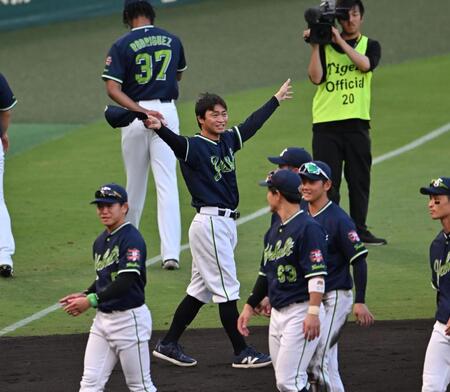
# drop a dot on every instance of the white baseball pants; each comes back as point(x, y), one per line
point(436, 369)
point(120, 336)
point(141, 149)
point(324, 365)
point(212, 240)
point(7, 245)
point(291, 353)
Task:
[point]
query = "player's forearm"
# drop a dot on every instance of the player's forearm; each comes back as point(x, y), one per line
point(259, 291)
point(315, 298)
point(360, 279)
point(91, 289)
point(256, 120)
point(5, 118)
point(115, 92)
point(315, 70)
point(118, 287)
point(177, 143)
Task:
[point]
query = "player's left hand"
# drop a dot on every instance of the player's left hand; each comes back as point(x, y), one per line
point(285, 91)
point(447, 328)
point(311, 327)
point(264, 308)
point(336, 36)
point(77, 305)
point(363, 315)
point(5, 141)
point(156, 114)
point(152, 122)
point(244, 318)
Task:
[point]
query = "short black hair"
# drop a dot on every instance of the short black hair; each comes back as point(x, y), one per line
point(291, 198)
point(205, 102)
point(350, 4)
point(136, 9)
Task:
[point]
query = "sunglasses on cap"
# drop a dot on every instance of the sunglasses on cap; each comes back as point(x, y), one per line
point(438, 183)
point(105, 192)
point(312, 168)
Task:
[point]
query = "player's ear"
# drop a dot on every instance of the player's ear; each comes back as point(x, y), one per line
point(125, 207)
point(327, 185)
point(200, 121)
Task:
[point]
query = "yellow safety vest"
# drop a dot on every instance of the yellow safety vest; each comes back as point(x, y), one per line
point(345, 93)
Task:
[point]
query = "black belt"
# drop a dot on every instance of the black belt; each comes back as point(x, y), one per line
point(233, 215)
point(166, 100)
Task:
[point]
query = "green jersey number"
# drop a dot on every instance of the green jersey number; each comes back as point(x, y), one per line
point(145, 61)
point(286, 273)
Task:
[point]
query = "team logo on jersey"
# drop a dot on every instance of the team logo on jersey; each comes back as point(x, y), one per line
point(442, 267)
point(133, 254)
point(108, 60)
point(278, 251)
point(316, 256)
point(223, 166)
point(111, 256)
point(353, 236)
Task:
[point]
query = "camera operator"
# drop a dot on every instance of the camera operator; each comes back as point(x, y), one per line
point(343, 70)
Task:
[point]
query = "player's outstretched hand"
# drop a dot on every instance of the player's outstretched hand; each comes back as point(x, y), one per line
point(244, 318)
point(77, 305)
point(311, 327)
point(68, 298)
point(363, 315)
point(158, 115)
point(152, 122)
point(285, 91)
point(264, 308)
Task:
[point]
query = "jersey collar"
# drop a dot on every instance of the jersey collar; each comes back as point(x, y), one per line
point(116, 230)
point(142, 27)
point(292, 217)
point(322, 209)
point(207, 139)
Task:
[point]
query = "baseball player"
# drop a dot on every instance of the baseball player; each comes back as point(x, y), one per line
point(291, 158)
point(7, 246)
point(292, 275)
point(122, 325)
point(436, 369)
point(141, 73)
point(209, 169)
point(344, 249)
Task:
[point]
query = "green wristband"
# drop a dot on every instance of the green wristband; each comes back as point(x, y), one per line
point(93, 299)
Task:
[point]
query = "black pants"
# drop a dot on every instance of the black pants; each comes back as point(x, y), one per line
point(349, 151)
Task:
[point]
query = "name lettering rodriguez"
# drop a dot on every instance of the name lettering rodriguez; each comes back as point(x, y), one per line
point(110, 257)
point(223, 166)
point(278, 251)
point(154, 40)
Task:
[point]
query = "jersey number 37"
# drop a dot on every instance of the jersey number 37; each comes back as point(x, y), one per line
point(148, 63)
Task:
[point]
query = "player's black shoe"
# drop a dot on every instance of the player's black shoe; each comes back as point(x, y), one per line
point(6, 271)
point(369, 239)
point(250, 358)
point(173, 353)
point(170, 264)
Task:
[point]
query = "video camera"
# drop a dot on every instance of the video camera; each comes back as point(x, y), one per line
point(322, 18)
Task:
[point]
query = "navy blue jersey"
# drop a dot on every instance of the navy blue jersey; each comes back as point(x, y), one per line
point(7, 98)
point(293, 252)
point(440, 274)
point(121, 251)
point(209, 170)
point(145, 62)
point(344, 246)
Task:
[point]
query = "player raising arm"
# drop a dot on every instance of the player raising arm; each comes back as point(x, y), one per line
point(291, 274)
point(209, 170)
point(436, 373)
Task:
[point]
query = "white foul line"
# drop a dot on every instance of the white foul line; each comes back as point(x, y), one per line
point(392, 154)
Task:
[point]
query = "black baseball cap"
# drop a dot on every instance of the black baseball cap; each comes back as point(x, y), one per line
point(285, 181)
point(315, 171)
point(110, 194)
point(119, 117)
point(438, 186)
point(292, 156)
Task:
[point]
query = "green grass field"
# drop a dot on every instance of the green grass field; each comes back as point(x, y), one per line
point(54, 167)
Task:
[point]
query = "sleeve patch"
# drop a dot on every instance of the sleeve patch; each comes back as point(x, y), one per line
point(316, 256)
point(108, 61)
point(353, 236)
point(133, 254)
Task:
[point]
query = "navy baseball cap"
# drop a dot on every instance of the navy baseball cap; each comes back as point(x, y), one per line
point(439, 186)
point(285, 181)
point(119, 117)
point(292, 156)
point(110, 194)
point(315, 170)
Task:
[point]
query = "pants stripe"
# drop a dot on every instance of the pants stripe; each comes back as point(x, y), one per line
point(217, 259)
point(300, 362)
point(139, 351)
point(328, 339)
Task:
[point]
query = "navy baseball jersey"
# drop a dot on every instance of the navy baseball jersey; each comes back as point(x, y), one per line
point(209, 170)
point(293, 252)
point(440, 274)
point(7, 98)
point(344, 246)
point(145, 62)
point(121, 251)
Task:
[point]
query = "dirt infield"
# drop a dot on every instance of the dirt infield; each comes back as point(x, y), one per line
point(386, 357)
